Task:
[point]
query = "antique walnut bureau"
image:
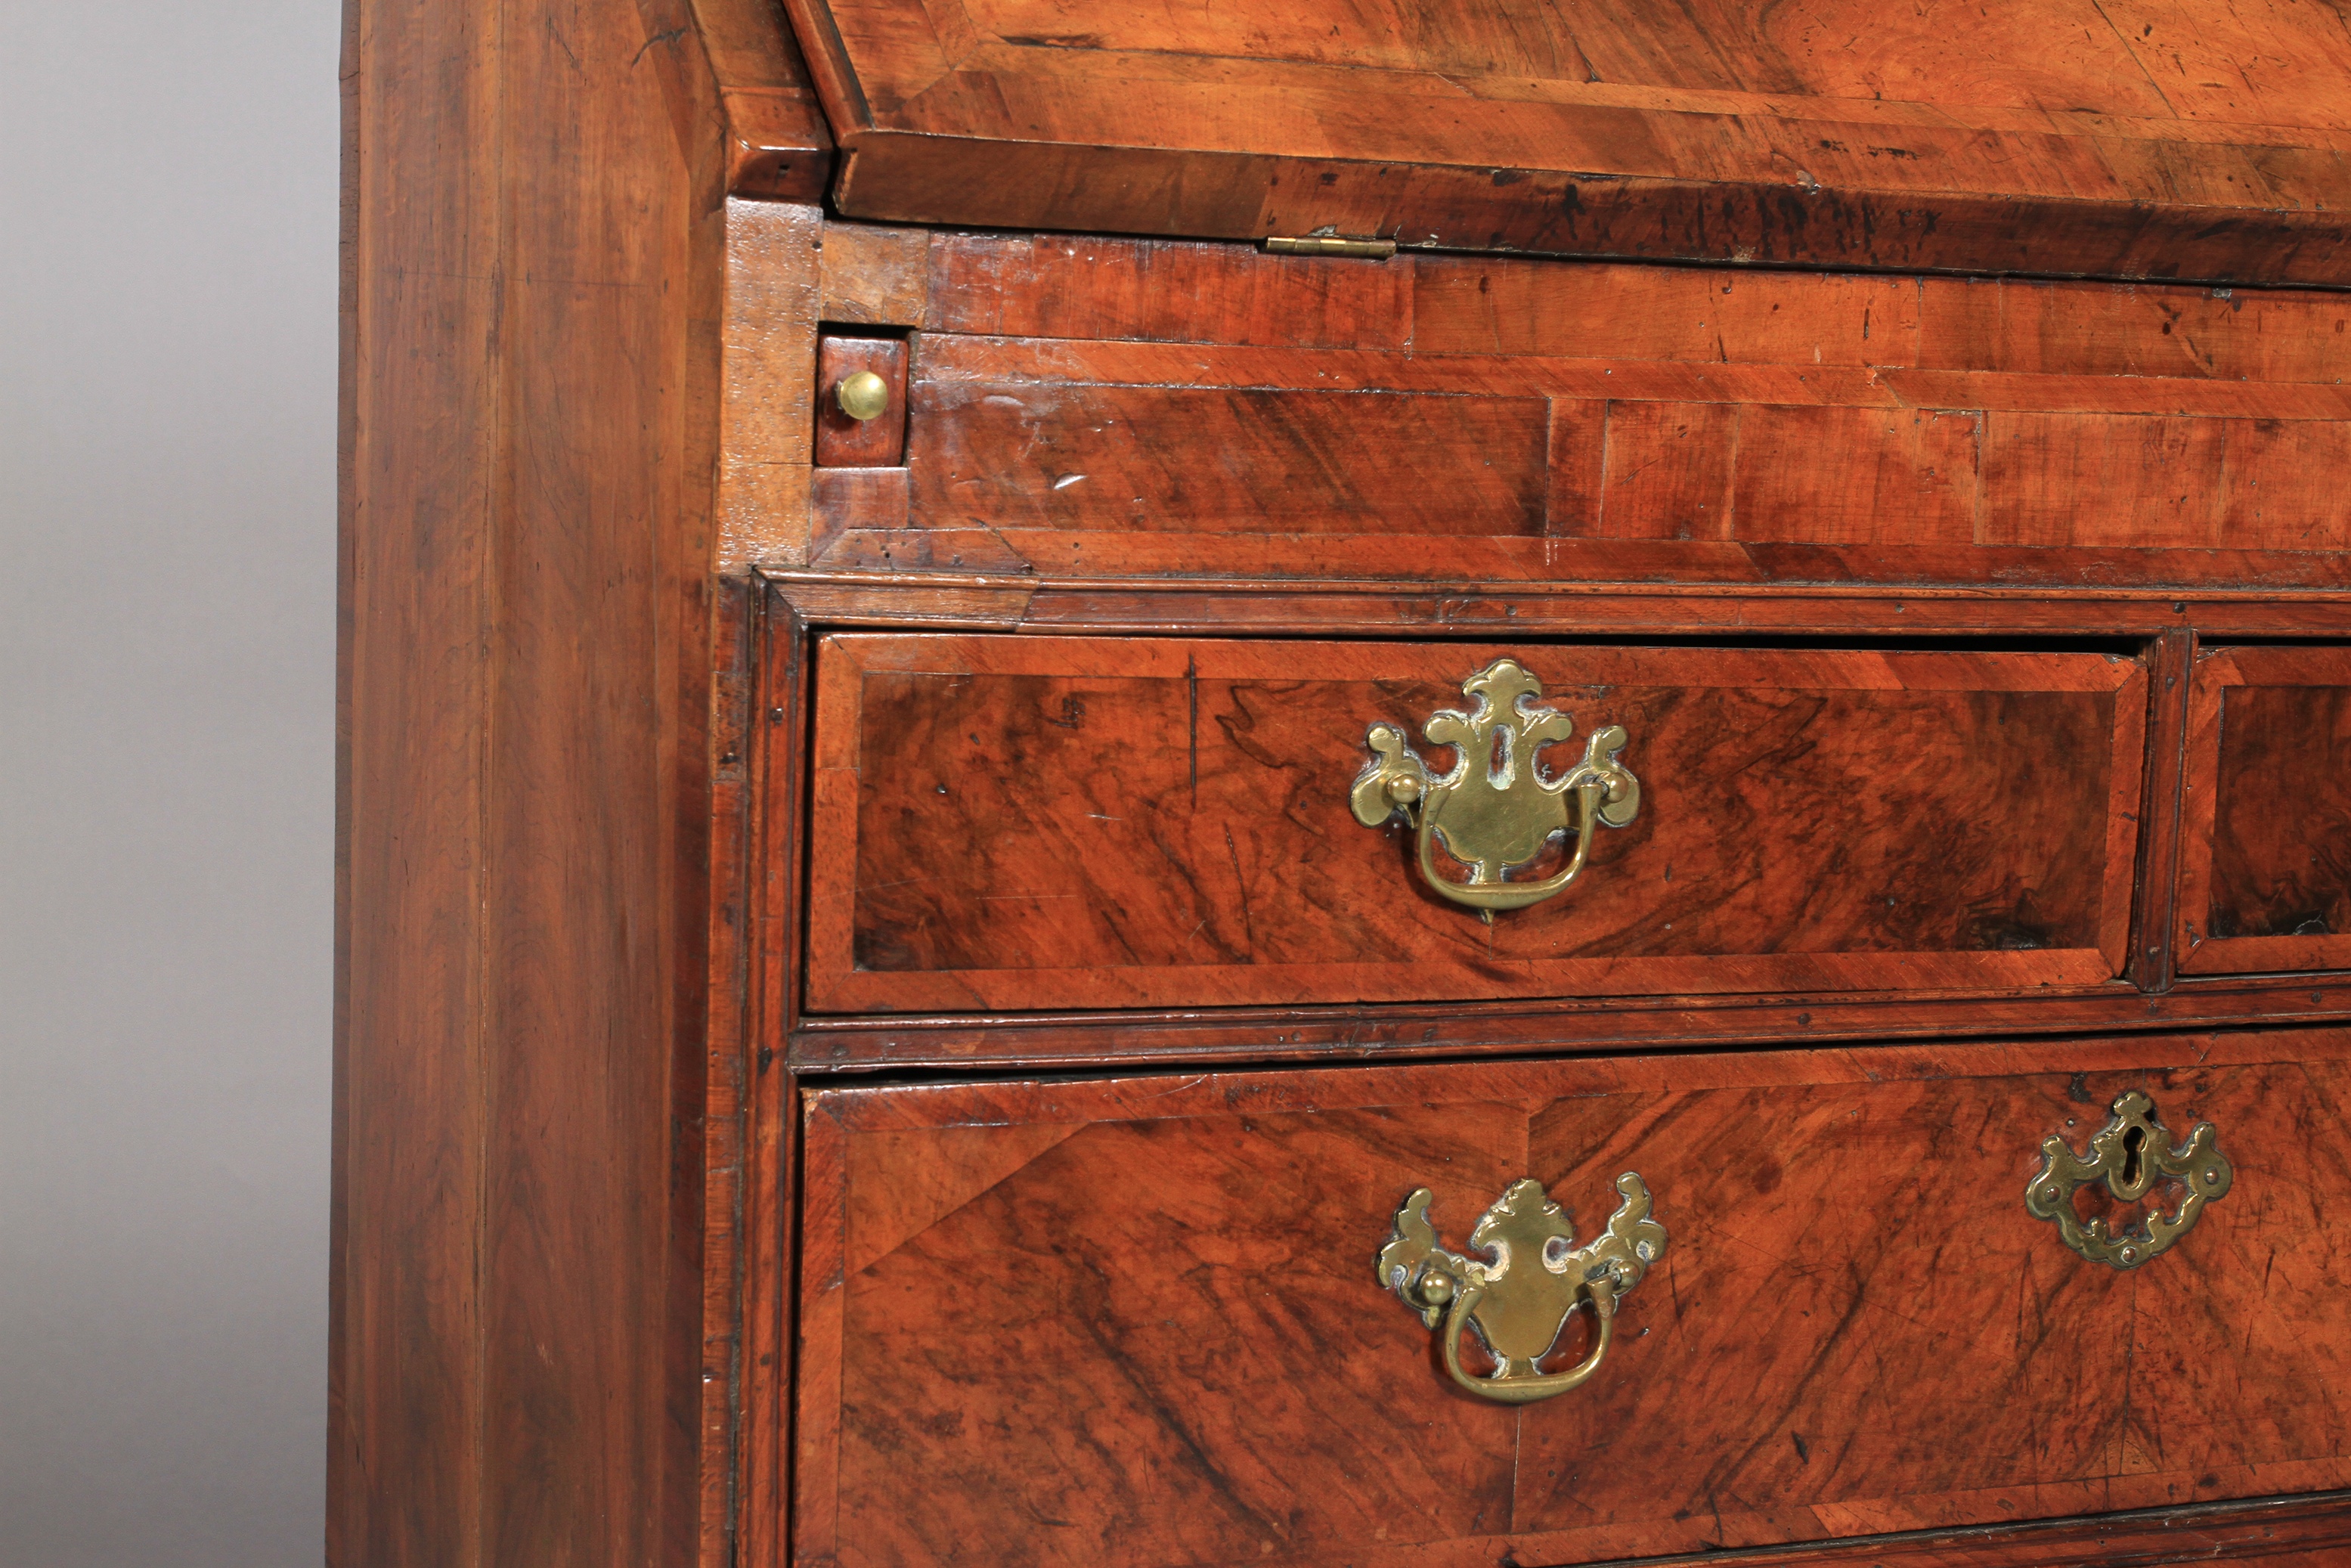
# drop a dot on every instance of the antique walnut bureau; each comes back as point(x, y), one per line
point(1420, 783)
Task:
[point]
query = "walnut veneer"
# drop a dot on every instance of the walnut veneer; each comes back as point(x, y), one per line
point(868, 1030)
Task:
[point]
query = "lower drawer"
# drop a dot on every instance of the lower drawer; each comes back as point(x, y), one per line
point(1138, 1321)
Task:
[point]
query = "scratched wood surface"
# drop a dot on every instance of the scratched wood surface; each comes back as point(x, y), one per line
point(766, 353)
point(740, 97)
point(1062, 458)
point(2265, 874)
point(1150, 407)
point(2198, 139)
point(1135, 1321)
point(1019, 822)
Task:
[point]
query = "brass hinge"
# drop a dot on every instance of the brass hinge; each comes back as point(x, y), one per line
point(1368, 249)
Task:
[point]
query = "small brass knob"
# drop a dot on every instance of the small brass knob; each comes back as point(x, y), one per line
point(863, 396)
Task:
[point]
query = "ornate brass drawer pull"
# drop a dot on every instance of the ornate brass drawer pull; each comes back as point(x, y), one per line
point(1495, 809)
point(2130, 1154)
point(1522, 1300)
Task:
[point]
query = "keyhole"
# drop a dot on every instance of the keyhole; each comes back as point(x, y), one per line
point(1499, 768)
point(2131, 1141)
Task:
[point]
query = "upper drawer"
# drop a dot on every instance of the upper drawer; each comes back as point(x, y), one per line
point(1088, 406)
point(2265, 853)
point(1137, 1323)
point(2194, 139)
point(1019, 822)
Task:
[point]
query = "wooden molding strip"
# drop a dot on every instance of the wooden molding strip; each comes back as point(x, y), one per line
point(2206, 1532)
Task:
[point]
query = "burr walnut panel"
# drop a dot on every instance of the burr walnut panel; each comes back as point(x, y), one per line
point(1134, 1323)
point(1017, 822)
point(2265, 873)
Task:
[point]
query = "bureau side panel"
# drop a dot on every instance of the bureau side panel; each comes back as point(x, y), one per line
point(525, 795)
point(404, 1463)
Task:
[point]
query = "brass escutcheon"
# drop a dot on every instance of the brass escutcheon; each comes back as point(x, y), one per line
point(1495, 811)
point(2130, 1154)
point(1521, 1302)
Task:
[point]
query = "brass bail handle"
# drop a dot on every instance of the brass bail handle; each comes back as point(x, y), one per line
point(2128, 1155)
point(1520, 1303)
point(1519, 1386)
point(1495, 811)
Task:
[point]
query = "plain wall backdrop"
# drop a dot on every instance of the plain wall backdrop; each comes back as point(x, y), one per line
point(167, 556)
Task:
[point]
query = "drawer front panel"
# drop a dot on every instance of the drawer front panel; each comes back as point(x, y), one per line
point(1041, 456)
point(1137, 1322)
point(1012, 822)
point(2265, 863)
point(1086, 406)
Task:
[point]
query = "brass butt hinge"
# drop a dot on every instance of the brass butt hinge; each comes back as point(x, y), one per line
point(1320, 244)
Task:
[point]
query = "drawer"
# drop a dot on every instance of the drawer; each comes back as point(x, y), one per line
point(1081, 405)
point(2265, 850)
point(1009, 822)
point(1139, 1322)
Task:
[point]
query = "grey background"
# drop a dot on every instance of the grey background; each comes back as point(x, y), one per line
point(167, 527)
